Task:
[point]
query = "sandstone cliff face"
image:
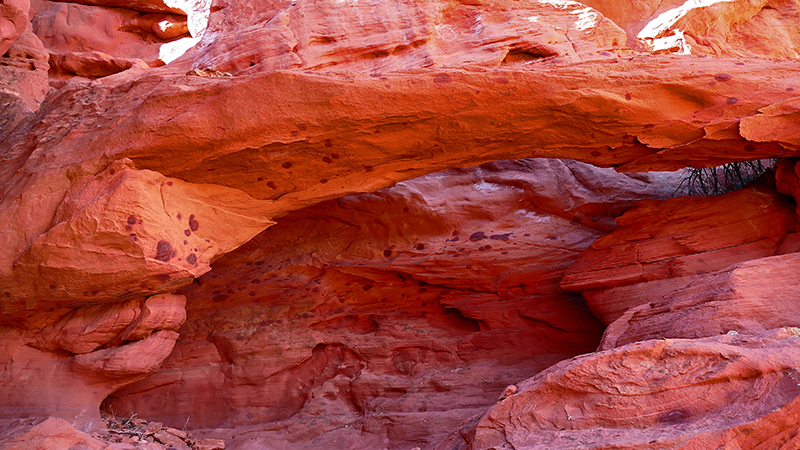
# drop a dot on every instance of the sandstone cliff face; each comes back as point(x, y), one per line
point(269, 223)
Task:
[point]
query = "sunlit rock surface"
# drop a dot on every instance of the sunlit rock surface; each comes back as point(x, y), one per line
point(212, 215)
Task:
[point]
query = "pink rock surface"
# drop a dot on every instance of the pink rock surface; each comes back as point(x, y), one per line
point(93, 41)
point(402, 35)
point(79, 356)
point(747, 298)
point(159, 233)
point(13, 20)
point(661, 246)
point(45, 434)
point(704, 393)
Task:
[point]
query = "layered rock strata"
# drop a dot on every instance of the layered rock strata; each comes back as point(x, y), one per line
point(137, 200)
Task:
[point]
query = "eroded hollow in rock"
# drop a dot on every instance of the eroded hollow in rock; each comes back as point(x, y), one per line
point(403, 312)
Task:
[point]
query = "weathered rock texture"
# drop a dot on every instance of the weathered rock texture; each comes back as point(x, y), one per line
point(442, 290)
point(662, 246)
point(196, 242)
point(728, 391)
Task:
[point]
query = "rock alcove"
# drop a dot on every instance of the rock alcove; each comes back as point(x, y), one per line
point(370, 224)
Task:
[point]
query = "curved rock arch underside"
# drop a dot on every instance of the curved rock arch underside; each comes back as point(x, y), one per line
point(397, 224)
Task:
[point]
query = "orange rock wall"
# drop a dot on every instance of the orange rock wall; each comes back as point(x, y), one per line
point(269, 223)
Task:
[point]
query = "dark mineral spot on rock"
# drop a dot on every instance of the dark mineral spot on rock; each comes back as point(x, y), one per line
point(270, 185)
point(722, 77)
point(487, 247)
point(732, 100)
point(477, 236)
point(53, 286)
point(219, 298)
point(179, 217)
point(327, 159)
point(674, 416)
point(193, 224)
point(405, 209)
point(163, 251)
point(502, 80)
point(422, 290)
point(335, 155)
point(133, 237)
point(131, 220)
point(387, 253)
point(328, 143)
point(302, 127)
point(500, 237)
point(286, 165)
point(323, 181)
point(628, 96)
point(187, 232)
point(367, 287)
point(367, 168)
point(185, 242)
point(442, 78)
point(128, 228)
point(749, 148)
point(260, 179)
point(420, 247)
point(596, 153)
point(191, 259)
point(252, 293)
point(169, 183)
point(789, 89)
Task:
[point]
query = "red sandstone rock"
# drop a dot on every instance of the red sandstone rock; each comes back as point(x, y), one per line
point(77, 357)
point(23, 80)
point(674, 240)
point(757, 28)
point(13, 20)
point(160, 233)
point(152, 6)
point(397, 35)
point(95, 64)
point(45, 433)
point(746, 298)
point(227, 133)
point(375, 93)
point(394, 315)
point(706, 393)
